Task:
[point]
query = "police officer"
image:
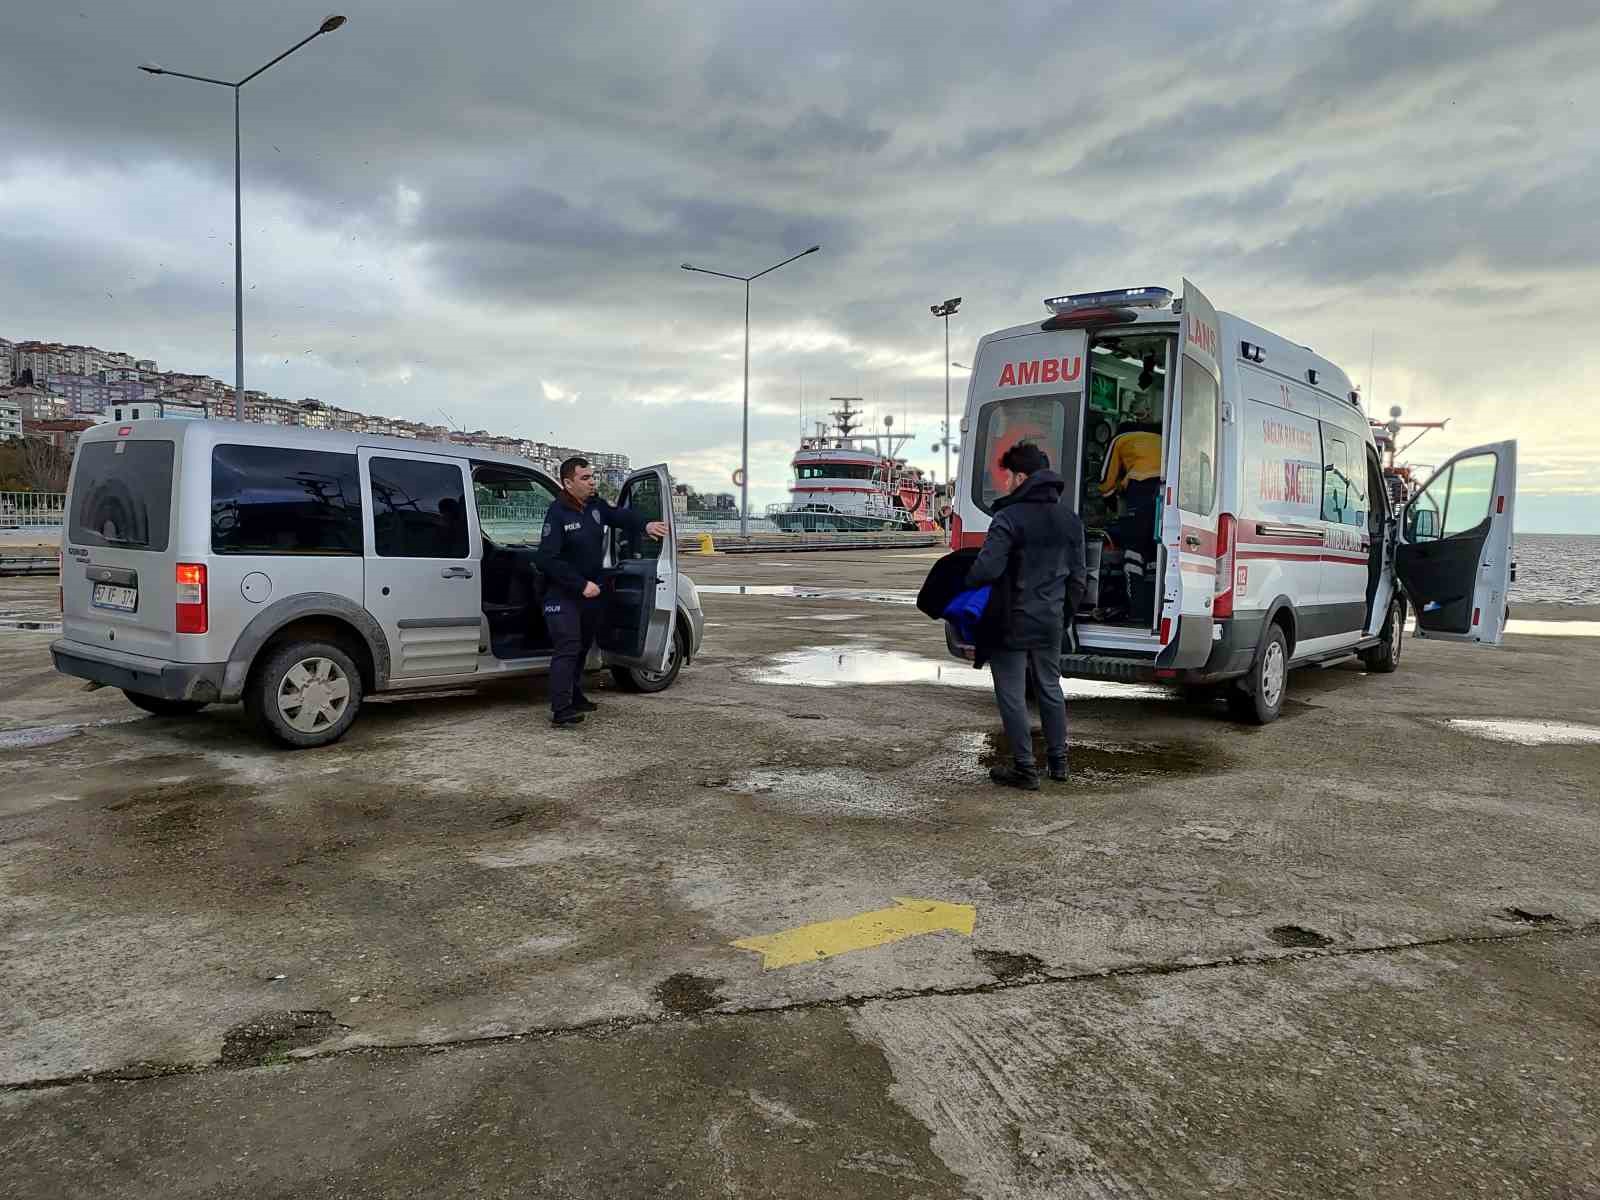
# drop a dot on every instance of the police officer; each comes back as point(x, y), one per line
point(572, 550)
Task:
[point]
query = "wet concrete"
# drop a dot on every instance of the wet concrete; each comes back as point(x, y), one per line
point(453, 872)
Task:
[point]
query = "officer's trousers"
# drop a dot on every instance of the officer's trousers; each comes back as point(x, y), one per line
point(571, 621)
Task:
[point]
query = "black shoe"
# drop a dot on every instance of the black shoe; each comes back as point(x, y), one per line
point(582, 704)
point(568, 717)
point(1058, 771)
point(1015, 777)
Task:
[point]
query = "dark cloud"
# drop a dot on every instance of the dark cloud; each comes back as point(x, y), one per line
point(452, 203)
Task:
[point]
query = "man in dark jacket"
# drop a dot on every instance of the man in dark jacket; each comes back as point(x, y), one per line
point(1034, 549)
point(572, 551)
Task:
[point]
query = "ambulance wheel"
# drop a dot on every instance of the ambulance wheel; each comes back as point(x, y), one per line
point(1258, 697)
point(632, 679)
point(1384, 658)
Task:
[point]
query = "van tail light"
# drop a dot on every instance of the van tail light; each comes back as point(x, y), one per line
point(193, 615)
point(1222, 604)
point(61, 581)
point(955, 532)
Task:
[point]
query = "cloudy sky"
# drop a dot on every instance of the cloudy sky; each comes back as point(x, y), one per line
point(480, 208)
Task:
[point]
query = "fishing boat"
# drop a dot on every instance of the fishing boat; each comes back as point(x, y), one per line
point(852, 481)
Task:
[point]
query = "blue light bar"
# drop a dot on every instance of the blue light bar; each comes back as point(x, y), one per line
point(1147, 297)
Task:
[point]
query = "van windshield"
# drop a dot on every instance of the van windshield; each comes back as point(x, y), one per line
point(122, 495)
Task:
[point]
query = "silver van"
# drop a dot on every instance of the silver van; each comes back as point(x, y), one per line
point(298, 571)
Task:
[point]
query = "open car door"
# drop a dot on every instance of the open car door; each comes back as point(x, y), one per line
point(1454, 557)
point(639, 591)
point(1189, 493)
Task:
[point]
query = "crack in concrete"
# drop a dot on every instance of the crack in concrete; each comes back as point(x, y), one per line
point(142, 1071)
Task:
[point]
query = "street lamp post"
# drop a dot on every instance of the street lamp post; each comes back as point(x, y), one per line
point(946, 310)
point(744, 439)
point(327, 26)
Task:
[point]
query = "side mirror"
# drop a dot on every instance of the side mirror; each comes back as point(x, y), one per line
point(1424, 524)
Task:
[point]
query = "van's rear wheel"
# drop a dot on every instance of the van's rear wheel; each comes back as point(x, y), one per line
point(160, 706)
point(305, 694)
point(1384, 658)
point(1258, 697)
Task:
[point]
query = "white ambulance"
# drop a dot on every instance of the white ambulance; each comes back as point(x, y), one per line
point(1236, 518)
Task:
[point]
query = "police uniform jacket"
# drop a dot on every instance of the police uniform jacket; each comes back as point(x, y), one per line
point(572, 546)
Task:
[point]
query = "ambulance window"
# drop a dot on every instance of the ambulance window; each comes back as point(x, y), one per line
point(1041, 420)
point(1197, 446)
point(1344, 489)
point(1471, 489)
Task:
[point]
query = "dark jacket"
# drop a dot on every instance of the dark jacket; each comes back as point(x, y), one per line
point(1034, 545)
point(946, 580)
point(572, 545)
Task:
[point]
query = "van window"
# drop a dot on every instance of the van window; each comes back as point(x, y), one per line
point(644, 497)
point(1041, 420)
point(511, 504)
point(1344, 476)
point(419, 509)
point(123, 495)
point(1197, 441)
point(276, 500)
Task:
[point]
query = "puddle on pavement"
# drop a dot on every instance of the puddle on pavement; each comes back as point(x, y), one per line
point(274, 1034)
point(796, 592)
point(43, 735)
point(838, 792)
point(866, 665)
point(1090, 761)
point(1528, 733)
point(1554, 628)
point(685, 994)
point(8, 625)
point(1004, 965)
point(1298, 935)
point(846, 666)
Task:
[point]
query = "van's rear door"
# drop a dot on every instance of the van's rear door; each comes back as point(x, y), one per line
point(118, 587)
point(640, 590)
point(1454, 556)
point(1189, 496)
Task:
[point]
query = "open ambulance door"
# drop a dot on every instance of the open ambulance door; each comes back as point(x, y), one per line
point(639, 591)
point(1189, 491)
point(1454, 556)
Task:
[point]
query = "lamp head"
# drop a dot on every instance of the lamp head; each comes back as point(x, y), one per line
point(329, 24)
point(151, 69)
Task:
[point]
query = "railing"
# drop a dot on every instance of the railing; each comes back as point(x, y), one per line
point(32, 510)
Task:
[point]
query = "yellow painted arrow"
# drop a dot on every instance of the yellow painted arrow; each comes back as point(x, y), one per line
point(908, 918)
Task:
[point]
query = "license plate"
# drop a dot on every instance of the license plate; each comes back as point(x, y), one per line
point(123, 599)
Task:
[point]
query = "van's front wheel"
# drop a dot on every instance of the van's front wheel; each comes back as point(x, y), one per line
point(305, 694)
point(1258, 697)
point(632, 679)
point(160, 706)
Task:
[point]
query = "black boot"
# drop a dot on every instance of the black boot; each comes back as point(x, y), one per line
point(1058, 770)
point(582, 704)
point(567, 717)
point(1026, 778)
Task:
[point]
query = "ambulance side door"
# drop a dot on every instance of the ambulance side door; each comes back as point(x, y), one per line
point(1454, 556)
point(1192, 431)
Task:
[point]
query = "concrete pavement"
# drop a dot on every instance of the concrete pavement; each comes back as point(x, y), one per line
point(454, 876)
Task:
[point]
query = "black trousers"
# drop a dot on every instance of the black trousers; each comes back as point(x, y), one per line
point(1138, 534)
point(571, 621)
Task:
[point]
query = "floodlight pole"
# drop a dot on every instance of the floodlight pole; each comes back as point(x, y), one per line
point(744, 437)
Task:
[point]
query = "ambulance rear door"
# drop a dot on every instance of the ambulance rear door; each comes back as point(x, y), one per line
point(1454, 556)
point(1191, 433)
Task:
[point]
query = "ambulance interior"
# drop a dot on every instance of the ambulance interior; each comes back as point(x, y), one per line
point(1119, 500)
